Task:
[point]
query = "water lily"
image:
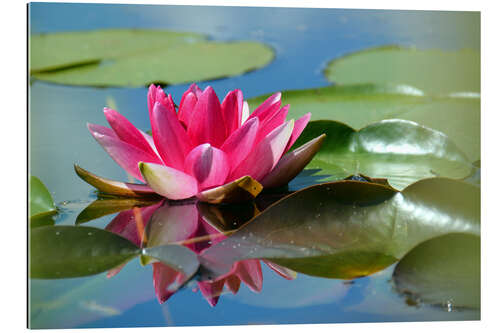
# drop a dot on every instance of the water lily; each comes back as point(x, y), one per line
point(218, 152)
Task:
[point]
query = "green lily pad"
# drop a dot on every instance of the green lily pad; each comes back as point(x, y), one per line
point(348, 229)
point(68, 251)
point(140, 57)
point(399, 150)
point(61, 50)
point(72, 251)
point(444, 271)
point(359, 105)
point(40, 201)
point(458, 118)
point(431, 71)
point(475, 175)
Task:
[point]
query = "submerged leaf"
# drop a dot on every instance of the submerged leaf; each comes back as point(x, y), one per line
point(67, 251)
point(445, 271)
point(348, 229)
point(401, 151)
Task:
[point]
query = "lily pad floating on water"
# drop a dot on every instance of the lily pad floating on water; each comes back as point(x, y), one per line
point(56, 51)
point(401, 151)
point(348, 229)
point(434, 72)
point(359, 105)
point(124, 57)
point(41, 204)
point(68, 251)
point(445, 271)
point(72, 251)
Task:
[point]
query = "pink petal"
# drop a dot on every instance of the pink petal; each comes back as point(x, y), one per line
point(250, 272)
point(169, 136)
point(186, 107)
point(126, 131)
point(102, 130)
point(207, 125)
point(195, 90)
point(271, 122)
point(282, 271)
point(299, 126)
point(188, 102)
point(156, 94)
point(291, 164)
point(151, 98)
point(168, 182)
point(126, 155)
point(233, 283)
point(239, 144)
point(265, 155)
point(166, 281)
point(269, 106)
point(232, 106)
point(170, 103)
point(211, 291)
point(151, 142)
point(208, 165)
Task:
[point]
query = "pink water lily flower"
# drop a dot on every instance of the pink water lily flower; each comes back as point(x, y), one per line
point(203, 147)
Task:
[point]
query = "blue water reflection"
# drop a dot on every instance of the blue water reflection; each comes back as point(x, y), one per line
point(304, 40)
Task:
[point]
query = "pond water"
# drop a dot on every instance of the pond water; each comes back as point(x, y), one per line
point(304, 40)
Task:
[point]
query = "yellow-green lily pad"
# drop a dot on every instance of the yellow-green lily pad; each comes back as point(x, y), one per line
point(433, 71)
point(40, 201)
point(359, 105)
point(140, 57)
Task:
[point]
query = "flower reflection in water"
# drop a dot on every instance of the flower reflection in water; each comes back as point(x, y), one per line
point(197, 226)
